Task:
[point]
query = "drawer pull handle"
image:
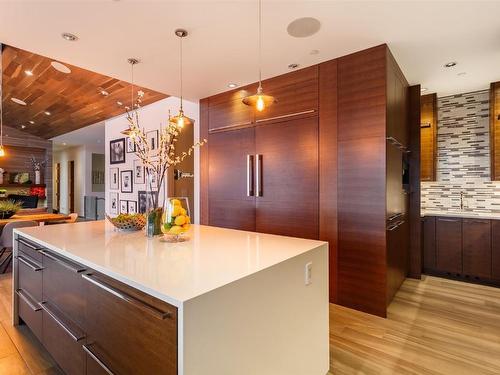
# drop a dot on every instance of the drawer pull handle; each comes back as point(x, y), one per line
point(27, 244)
point(62, 262)
point(395, 226)
point(129, 299)
point(31, 264)
point(449, 220)
point(286, 116)
point(88, 350)
point(48, 310)
point(26, 298)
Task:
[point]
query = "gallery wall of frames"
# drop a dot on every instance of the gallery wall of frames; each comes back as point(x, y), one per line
point(125, 186)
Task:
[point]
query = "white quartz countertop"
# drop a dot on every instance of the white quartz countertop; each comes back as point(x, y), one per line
point(463, 214)
point(173, 272)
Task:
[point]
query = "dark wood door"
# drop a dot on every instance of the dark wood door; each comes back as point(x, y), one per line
point(477, 247)
point(449, 244)
point(230, 204)
point(71, 187)
point(288, 174)
point(495, 249)
point(429, 243)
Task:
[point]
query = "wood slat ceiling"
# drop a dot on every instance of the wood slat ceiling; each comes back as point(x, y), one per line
point(74, 100)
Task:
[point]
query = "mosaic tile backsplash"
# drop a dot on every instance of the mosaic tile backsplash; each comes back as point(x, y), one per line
point(463, 157)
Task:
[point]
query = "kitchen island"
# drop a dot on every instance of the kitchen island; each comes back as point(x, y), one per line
point(224, 302)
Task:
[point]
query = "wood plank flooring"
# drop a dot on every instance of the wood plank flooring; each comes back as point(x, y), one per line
point(434, 326)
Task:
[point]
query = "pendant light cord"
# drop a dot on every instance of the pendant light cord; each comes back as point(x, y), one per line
point(180, 63)
point(260, 43)
point(132, 87)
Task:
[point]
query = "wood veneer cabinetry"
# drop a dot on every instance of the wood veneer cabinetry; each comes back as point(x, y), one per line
point(428, 135)
point(495, 250)
point(495, 130)
point(92, 324)
point(449, 244)
point(476, 236)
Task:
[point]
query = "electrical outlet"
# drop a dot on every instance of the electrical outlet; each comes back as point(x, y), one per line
point(308, 273)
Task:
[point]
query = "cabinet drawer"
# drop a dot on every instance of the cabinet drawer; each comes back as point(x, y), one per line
point(63, 286)
point(30, 275)
point(117, 318)
point(30, 248)
point(63, 340)
point(30, 312)
point(94, 364)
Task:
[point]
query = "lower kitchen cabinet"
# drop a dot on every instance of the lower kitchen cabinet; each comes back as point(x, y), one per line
point(449, 245)
point(495, 250)
point(429, 242)
point(477, 248)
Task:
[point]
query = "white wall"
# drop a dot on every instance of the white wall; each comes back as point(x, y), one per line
point(150, 118)
point(82, 156)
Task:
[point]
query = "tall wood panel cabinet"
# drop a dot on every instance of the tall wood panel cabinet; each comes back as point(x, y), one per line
point(314, 165)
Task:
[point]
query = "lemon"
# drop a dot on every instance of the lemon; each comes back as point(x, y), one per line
point(175, 202)
point(176, 211)
point(180, 220)
point(185, 226)
point(183, 211)
point(175, 230)
point(188, 219)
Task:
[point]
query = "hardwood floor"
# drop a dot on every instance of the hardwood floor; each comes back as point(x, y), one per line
point(434, 326)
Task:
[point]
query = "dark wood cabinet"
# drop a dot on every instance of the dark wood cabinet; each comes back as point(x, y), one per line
point(231, 174)
point(495, 249)
point(449, 245)
point(228, 111)
point(428, 137)
point(288, 201)
point(429, 243)
point(477, 248)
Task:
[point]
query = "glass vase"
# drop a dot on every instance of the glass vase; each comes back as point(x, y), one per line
point(176, 219)
point(155, 197)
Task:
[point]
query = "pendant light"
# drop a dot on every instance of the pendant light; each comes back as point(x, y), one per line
point(2, 150)
point(259, 100)
point(181, 120)
point(132, 61)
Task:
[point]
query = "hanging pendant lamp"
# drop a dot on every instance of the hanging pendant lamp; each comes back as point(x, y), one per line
point(2, 150)
point(181, 119)
point(259, 101)
point(132, 61)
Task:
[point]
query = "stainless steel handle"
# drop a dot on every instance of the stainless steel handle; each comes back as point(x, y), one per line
point(31, 264)
point(129, 299)
point(258, 176)
point(250, 182)
point(395, 216)
point(479, 221)
point(286, 116)
point(27, 244)
point(448, 220)
point(395, 226)
point(63, 262)
point(48, 310)
point(88, 350)
point(21, 293)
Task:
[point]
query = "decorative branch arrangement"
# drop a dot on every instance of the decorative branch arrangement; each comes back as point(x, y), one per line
point(37, 165)
point(156, 161)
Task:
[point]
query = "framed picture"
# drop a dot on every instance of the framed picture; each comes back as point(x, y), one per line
point(132, 207)
point(113, 203)
point(126, 181)
point(130, 145)
point(117, 151)
point(144, 198)
point(114, 179)
point(153, 139)
point(138, 172)
point(124, 207)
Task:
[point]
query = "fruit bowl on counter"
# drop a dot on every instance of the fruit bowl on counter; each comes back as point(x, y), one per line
point(176, 219)
point(129, 222)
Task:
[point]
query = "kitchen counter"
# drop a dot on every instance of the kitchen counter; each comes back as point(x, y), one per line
point(462, 214)
point(229, 287)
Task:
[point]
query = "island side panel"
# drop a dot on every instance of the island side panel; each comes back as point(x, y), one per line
point(15, 316)
point(269, 323)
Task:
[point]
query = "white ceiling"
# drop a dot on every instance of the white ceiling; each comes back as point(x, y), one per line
point(92, 135)
point(222, 45)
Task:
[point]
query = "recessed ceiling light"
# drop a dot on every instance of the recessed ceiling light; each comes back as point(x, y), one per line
point(31, 122)
point(104, 93)
point(232, 85)
point(60, 67)
point(47, 113)
point(23, 126)
point(303, 27)
point(423, 89)
point(18, 101)
point(451, 64)
point(461, 73)
point(314, 52)
point(293, 66)
point(69, 37)
point(119, 103)
point(28, 72)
